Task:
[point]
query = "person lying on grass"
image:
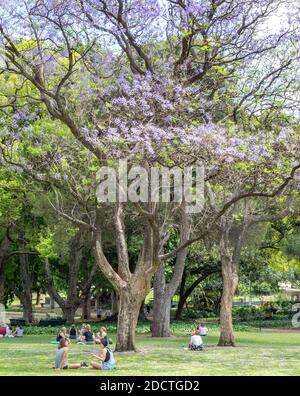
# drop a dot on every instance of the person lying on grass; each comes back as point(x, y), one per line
point(105, 357)
point(61, 362)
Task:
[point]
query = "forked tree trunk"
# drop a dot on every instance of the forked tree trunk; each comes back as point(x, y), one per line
point(230, 283)
point(163, 295)
point(69, 305)
point(164, 292)
point(69, 312)
point(132, 286)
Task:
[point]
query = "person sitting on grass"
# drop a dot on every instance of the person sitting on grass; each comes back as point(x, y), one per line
point(203, 331)
point(19, 332)
point(83, 329)
point(61, 362)
point(196, 343)
point(102, 334)
point(62, 334)
point(81, 336)
point(2, 331)
point(73, 332)
point(105, 356)
point(88, 337)
point(9, 332)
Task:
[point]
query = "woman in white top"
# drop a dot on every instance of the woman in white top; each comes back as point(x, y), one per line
point(203, 331)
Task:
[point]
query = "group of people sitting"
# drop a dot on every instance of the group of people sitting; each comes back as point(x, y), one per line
point(85, 336)
point(196, 343)
point(7, 331)
point(104, 357)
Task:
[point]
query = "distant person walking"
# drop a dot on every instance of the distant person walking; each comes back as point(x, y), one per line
point(108, 314)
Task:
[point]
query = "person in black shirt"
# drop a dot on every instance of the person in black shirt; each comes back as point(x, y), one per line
point(89, 336)
point(73, 332)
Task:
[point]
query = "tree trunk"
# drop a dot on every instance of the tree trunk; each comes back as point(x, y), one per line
point(86, 288)
point(142, 315)
point(163, 295)
point(180, 307)
point(230, 252)
point(161, 305)
point(26, 294)
point(132, 288)
point(230, 283)
point(4, 248)
point(164, 292)
point(27, 310)
point(86, 305)
point(181, 296)
point(52, 303)
point(69, 312)
point(114, 304)
point(38, 297)
point(2, 283)
point(71, 303)
point(26, 300)
point(161, 324)
point(129, 309)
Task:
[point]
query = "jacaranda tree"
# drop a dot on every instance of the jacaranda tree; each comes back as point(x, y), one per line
point(151, 83)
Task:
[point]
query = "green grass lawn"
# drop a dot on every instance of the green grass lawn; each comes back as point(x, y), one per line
point(266, 353)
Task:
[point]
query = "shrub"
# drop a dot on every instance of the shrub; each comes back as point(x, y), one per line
point(199, 314)
point(246, 313)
